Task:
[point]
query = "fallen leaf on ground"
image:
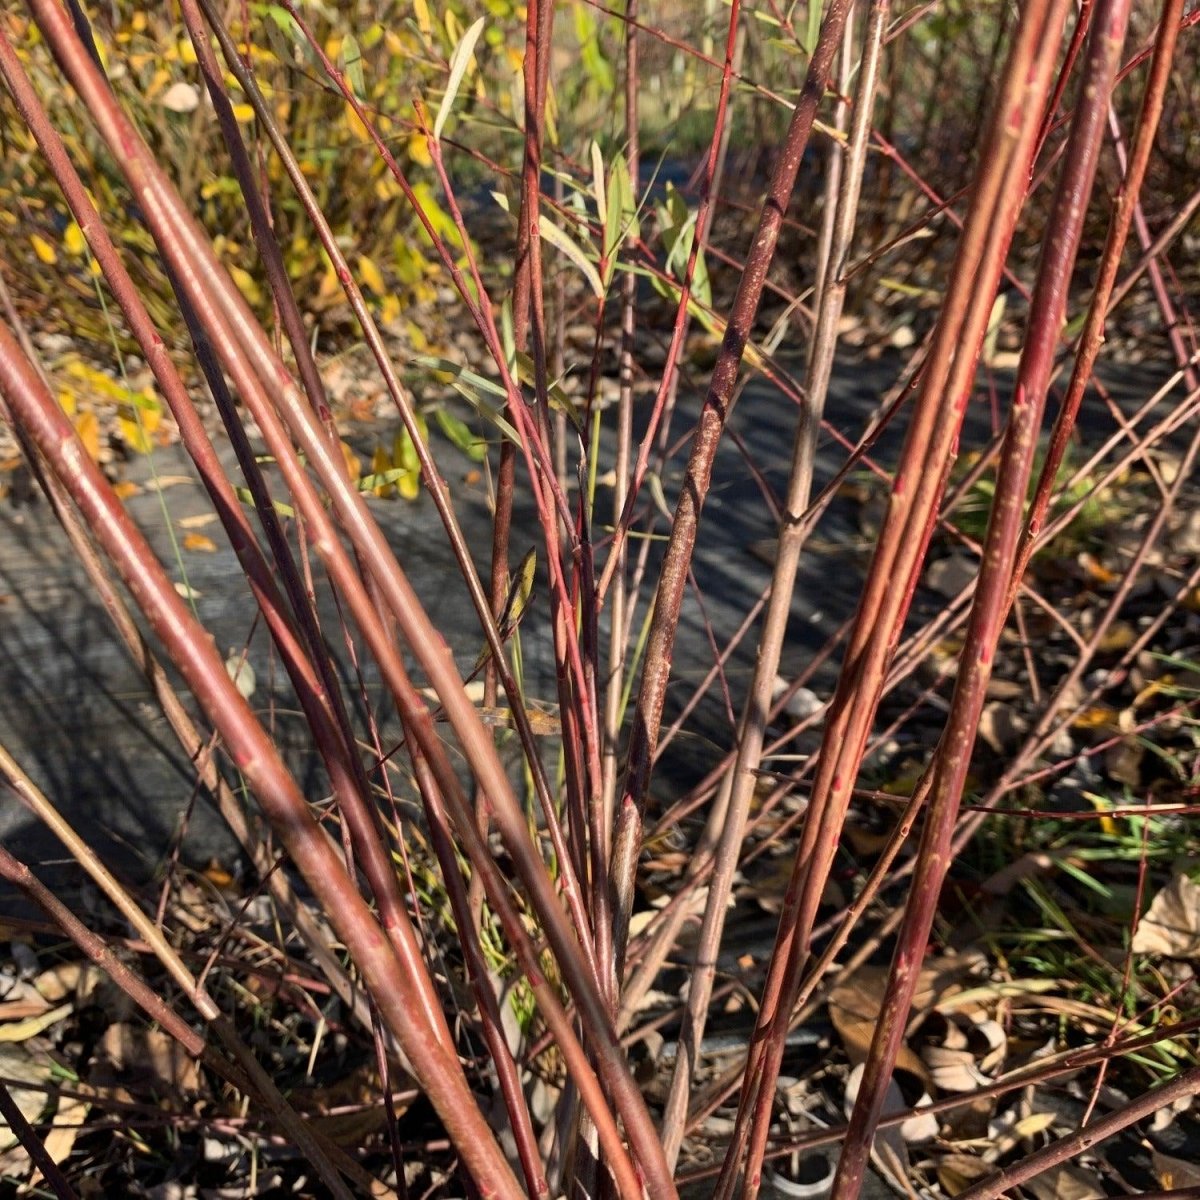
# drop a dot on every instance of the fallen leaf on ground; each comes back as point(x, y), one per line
point(22, 1031)
point(67, 1124)
point(1065, 1183)
point(146, 1061)
point(19, 1065)
point(956, 1172)
point(1174, 1172)
point(854, 1009)
point(1171, 926)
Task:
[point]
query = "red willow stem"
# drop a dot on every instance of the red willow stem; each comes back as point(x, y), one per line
point(507, 466)
point(569, 664)
point(1092, 336)
point(309, 688)
point(679, 329)
point(947, 771)
point(395, 991)
point(724, 832)
point(174, 233)
point(268, 369)
point(920, 482)
point(333, 741)
point(717, 404)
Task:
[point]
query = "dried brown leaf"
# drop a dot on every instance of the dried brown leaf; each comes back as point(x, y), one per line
point(956, 1172)
point(1065, 1183)
point(1171, 926)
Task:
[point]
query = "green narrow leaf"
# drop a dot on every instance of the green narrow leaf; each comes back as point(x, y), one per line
point(459, 434)
point(445, 367)
point(352, 66)
point(622, 220)
point(404, 459)
point(561, 241)
point(520, 589)
point(993, 329)
point(459, 61)
point(598, 185)
point(508, 334)
point(812, 29)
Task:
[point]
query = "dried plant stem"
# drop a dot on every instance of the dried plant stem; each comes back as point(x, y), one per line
point(674, 572)
point(726, 825)
point(1068, 1062)
point(17, 1123)
point(40, 806)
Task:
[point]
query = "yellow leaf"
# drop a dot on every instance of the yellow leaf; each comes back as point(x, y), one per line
point(243, 113)
point(1119, 636)
point(389, 310)
point(356, 126)
point(43, 249)
point(329, 289)
point(1100, 804)
point(1099, 717)
point(404, 457)
point(73, 239)
point(418, 150)
point(66, 401)
point(380, 462)
point(245, 283)
point(371, 275)
point(125, 489)
point(353, 463)
point(135, 436)
point(199, 541)
point(421, 12)
point(217, 875)
point(87, 429)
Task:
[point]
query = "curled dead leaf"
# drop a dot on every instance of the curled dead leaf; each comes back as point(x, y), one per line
point(1174, 1172)
point(956, 1172)
point(1066, 1183)
point(1171, 926)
